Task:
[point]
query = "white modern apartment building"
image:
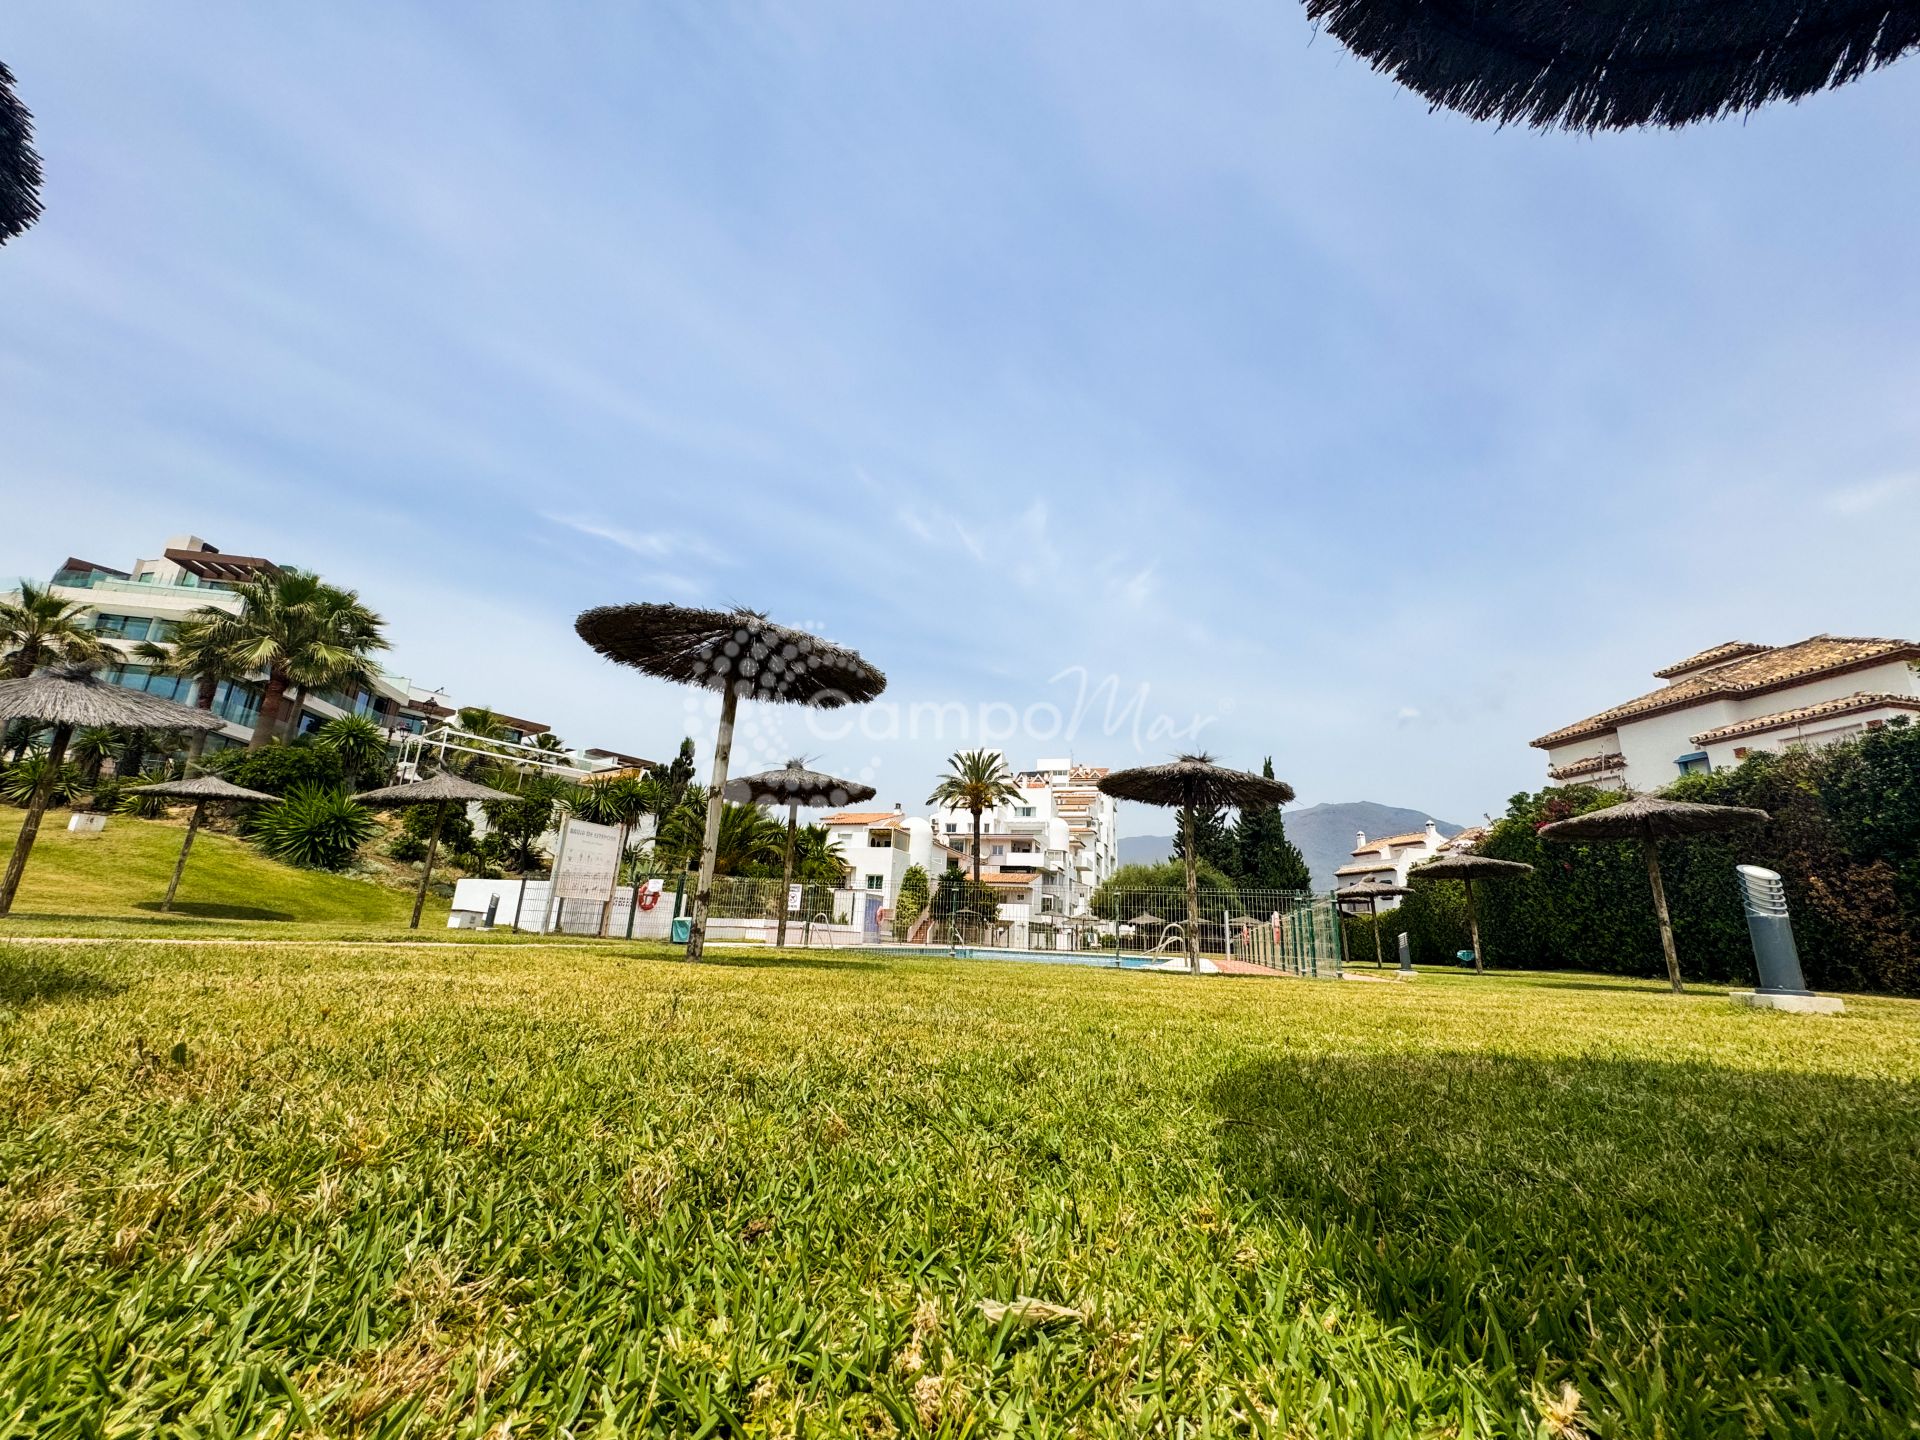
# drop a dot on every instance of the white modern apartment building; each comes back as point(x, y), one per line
point(145, 602)
point(1045, 852)
point(1720, 705)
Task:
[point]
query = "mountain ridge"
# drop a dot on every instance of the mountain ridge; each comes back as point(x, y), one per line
point(1325, 834)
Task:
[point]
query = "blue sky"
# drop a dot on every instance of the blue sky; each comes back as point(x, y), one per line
point(1004, 343)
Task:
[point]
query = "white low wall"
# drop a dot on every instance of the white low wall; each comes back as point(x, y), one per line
point(582, 917)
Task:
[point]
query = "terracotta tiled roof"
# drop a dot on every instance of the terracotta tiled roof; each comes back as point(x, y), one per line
point(1716, 655)
point(1746, 675)
point(1364, 869)
point(992, 877)
point(1467, 838)
point(1412, 837)
point(860, 817)
point(1592, 765)
point(1780, 720)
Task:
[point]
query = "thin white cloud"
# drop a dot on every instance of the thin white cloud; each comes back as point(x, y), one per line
point(1870, 495)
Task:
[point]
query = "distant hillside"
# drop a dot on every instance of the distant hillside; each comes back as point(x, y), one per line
point(1324, 834)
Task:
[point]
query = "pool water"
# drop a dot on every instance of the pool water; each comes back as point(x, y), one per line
point(1096, 958)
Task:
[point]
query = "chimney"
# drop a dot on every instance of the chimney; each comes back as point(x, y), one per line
point(1359, 839)
point(1433, 833)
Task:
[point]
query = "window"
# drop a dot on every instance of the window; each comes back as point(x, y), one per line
point(128, 627)
point(876, 882)
point(1023, 812)
point(1023, 847)
point(1694, 764)
point(953, 827)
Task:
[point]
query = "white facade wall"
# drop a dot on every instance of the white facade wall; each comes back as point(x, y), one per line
point(1654, 745)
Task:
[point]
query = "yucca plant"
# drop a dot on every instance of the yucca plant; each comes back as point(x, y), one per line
point(317, 828)
point(17, 784)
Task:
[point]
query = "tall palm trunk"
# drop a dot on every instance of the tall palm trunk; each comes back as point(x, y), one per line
point(203, 697)
point(976, 846)
point(294, 703)
point(269, 717)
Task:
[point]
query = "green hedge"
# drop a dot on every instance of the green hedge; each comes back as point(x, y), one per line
point(1844, 835)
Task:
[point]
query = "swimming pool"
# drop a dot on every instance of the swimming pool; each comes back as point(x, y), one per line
point(1093, 958)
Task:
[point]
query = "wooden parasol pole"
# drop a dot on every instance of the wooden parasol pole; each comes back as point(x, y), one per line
point(193, 827)
point(1473, 928)
point(1652, 847)
point(710, 843)
point(36, 807)
point(786, 872)
point(426, 870)
point(1193, 892)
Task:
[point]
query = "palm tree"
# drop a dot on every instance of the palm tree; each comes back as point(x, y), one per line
point(303, 633)
point(91, 748)
point(816, 858)
point(360, 744)
point(548, 741)
point(750, 840)
point(976, 780)
point(197, 652)
point(40, 629)
point(346, 635)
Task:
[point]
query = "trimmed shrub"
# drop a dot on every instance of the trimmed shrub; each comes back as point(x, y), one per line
point(1844, 836)
point(280, 769)
point(318, 828)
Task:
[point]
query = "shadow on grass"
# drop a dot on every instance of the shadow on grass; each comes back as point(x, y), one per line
point(211, 910)
point(36, 982)
point(783, 960)
point(1681, 1239)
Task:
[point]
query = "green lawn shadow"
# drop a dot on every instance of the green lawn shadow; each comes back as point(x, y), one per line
point(1692, 1243)
point(25, 982)
point(210, 910)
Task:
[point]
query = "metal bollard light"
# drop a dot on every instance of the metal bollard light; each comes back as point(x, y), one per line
point(1406, 955)
point(1782, 985)
point(1765, 898)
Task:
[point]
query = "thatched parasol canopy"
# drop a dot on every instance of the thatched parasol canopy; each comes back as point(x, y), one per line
point(1469, 868)
point(1370, 892)
point(1194, 780)
point(70, 697)
point(1373, 894)
point(203, 790)
point(207, 789)
point(19, 163)
point(1649, 819)
point(76, 696)
point(1194, 783)
point(793, 785)
point(1146, 917)
point(744, 656)
point(1615, 64)
point(736, 651)
point(444, 790)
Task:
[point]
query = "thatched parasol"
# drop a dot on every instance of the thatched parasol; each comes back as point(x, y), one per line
point(793, 785)
point(1649, 819)
point(1193, 783)
point(1469, 868)
point(1624, 63)
point(739, 653)
point(1146, 917)
point(19, 163)
point(1373, 894)
point(443, 792)
point(203, 790)
point(66, 697)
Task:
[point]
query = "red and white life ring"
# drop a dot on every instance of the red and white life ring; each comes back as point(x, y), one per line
point(649, 899)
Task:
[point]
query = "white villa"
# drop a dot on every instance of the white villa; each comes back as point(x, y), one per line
point(1722, 704)
point(1387, 860)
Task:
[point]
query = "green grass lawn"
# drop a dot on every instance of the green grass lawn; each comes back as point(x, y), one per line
point(289, 1190)
point(113, 883)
